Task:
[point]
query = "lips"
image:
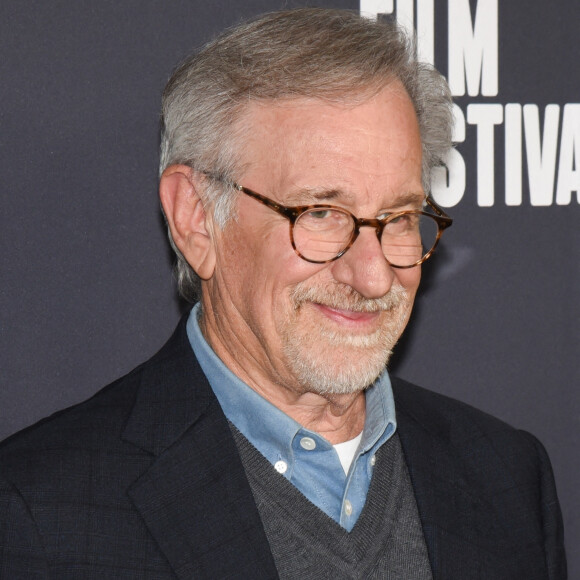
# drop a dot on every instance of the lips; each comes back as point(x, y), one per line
point(349, 317)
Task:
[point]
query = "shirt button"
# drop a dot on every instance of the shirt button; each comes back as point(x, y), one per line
point(280, 466)
point(307, 443)
point(347, 508)
point(373, 459)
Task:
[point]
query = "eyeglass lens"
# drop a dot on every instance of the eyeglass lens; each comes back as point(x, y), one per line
point(321, 234)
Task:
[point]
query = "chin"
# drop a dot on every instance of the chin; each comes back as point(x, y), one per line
point(339, 367)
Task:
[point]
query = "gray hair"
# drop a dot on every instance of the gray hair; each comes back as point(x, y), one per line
point(329, 54)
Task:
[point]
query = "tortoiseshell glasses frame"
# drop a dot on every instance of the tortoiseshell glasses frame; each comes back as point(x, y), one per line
point(293, 213)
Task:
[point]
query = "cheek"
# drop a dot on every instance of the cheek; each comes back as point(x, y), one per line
point(409, 279)
point(259, 266)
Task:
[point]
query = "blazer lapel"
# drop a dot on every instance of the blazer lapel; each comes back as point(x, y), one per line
point(194, 498)
point(441, 494)
point(454, 469)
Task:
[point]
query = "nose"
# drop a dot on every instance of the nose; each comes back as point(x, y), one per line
point(364, 266)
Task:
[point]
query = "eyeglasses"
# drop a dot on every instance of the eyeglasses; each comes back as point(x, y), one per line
point(323, 233)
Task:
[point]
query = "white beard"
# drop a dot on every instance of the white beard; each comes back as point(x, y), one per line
point(326, 361)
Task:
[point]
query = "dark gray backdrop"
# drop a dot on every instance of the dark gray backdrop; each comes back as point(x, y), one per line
point(86, 291)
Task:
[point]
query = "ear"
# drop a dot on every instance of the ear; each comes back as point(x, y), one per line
point(187, 219)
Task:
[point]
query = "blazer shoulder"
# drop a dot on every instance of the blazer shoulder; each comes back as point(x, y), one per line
point(436, 411)
point(98, 422)
point(90, 425)
point(465, 430)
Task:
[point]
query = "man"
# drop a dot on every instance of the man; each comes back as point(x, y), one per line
point(266, 439)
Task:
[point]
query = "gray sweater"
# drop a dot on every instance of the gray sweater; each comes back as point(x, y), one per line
point(386, 543)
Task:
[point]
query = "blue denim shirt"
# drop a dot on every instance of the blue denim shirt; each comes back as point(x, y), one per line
point(304, 457)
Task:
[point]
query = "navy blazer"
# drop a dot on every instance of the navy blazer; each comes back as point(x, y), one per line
point(144, 481)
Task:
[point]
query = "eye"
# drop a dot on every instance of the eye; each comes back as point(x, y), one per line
point(403, 224)
point(319, 213)
point(325, 218)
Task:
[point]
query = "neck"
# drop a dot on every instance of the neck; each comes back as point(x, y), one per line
point(336, 417)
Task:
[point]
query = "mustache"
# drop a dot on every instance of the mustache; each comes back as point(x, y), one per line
point(343, 297)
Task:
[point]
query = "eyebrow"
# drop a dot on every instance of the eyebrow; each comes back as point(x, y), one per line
point(308, 196)
point(408, 198)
